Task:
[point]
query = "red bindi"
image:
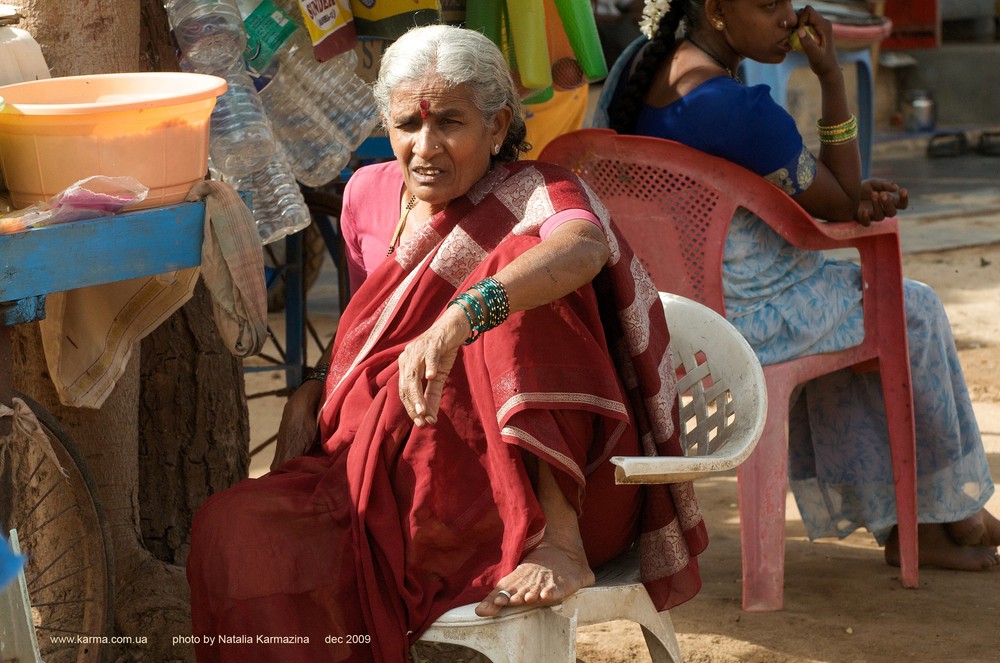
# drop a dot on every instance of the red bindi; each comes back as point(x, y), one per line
point(424, 107)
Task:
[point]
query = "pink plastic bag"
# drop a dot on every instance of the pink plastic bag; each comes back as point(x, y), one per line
point(87, 199)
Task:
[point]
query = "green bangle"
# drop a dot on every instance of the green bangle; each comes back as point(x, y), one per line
point(473, 333)
point(317, 373)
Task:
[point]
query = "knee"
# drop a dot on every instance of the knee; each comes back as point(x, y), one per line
point(922, 303)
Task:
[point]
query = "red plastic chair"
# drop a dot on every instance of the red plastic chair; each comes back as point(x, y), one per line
point(674, 205)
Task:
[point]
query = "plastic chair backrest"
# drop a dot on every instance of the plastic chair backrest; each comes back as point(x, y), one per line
point(648, 184)
point(721, 392)
point(674, 204)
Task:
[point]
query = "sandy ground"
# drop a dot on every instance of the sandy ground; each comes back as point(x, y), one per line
point(842, 602)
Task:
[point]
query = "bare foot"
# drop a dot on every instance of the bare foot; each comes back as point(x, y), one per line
point(969, 531)
point(992, 526)
point(547, 575)
point(553, 570)
point(937, 549)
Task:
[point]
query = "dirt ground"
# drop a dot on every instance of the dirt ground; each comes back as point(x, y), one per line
point(842, 602)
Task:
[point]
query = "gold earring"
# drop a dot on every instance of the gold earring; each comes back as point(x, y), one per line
point(719, 24)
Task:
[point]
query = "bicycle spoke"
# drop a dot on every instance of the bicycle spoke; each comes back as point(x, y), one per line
point(37, 504)
point(66, 602)
point(65, 509)
point(48, 566)
point(58, 580)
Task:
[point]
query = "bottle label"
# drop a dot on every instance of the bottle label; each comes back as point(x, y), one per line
point(330, 24)
point(268, 28)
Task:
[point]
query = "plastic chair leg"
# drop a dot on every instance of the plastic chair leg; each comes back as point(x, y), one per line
point(540, 634)
point(762, 485)
point(630, 602)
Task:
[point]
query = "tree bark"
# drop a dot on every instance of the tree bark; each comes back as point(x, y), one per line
point(189, 412)
point(193, 425)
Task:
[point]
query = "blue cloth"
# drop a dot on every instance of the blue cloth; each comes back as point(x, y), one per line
point(788, 303)
point(10, 564)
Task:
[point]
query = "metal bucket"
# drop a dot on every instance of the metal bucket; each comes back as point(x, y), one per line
point(919, 111)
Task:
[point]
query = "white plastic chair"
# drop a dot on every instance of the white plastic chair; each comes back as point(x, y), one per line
point(723, 405)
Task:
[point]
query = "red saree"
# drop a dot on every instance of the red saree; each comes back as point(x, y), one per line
point(360, 549)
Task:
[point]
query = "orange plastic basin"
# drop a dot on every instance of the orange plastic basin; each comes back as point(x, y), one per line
point(152, 126)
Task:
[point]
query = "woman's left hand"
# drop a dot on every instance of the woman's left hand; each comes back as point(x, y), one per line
point(880, 199)
point(425, 363)
point(818, 48)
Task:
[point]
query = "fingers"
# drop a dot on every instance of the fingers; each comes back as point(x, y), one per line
point(411, 393)
point(902, 199)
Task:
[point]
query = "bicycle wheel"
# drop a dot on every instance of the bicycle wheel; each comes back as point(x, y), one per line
point(61, 526)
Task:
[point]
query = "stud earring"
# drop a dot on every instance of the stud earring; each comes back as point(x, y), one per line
point(719, 25)
point(496, 149)
point(784, 24)
point(437, 147)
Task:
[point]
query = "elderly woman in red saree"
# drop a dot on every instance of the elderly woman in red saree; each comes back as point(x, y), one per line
point(504, 343)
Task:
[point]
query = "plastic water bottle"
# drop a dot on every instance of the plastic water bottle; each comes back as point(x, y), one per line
point(334, 87)
point(278, 206)
point(209, 33)
point(343, 99)
point(240, 137)
point(313, 151)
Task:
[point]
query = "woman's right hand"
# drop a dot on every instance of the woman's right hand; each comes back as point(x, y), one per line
point(880, 199)
point(425, 363)
point(298, 428)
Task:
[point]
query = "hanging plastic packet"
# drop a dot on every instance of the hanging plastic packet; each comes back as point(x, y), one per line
point(267, 28)
point(89, 198)
point(389, 19)
point(331, 26)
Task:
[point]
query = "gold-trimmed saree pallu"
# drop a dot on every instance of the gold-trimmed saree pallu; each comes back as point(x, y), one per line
point(362, 548)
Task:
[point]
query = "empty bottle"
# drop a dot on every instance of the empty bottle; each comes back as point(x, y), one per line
point(209, 33)
point(240, 137)
point(278, 206)
point(312, 149)
point(333, 86)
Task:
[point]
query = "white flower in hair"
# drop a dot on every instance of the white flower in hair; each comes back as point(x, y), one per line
point(652, 13)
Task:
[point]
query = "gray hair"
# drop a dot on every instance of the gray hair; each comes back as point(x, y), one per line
point(461, 57)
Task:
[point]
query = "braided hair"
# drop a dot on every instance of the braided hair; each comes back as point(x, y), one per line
point(664, 41)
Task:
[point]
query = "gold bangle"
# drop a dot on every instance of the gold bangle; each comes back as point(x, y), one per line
point(846, 125)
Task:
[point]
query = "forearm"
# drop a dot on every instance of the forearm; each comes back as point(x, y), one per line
point(567, 259)
point(842, 159)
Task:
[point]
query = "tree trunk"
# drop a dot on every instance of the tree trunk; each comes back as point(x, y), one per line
point(190, 411)
point(193, 425)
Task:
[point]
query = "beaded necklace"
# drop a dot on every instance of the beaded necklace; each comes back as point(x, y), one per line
point(402, 224)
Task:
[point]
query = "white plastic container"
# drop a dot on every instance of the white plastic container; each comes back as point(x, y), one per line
point(21, 57)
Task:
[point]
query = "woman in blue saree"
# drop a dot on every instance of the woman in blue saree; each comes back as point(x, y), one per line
point(788, 302)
